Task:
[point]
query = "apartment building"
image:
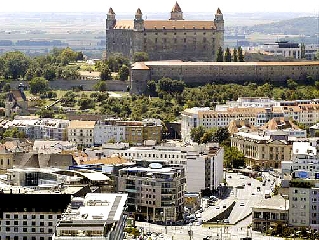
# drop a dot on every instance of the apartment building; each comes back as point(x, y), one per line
point(41, 128)
point(204, 171)
point(304, 203)
point(154, 193)
point(304, 159)
point(108, 130)
point(134, 132)
point(195, 117)
point(269, 212)
point(81, 133)
point(96, 216)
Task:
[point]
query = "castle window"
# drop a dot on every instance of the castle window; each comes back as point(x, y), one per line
point(163, 27)
point(156, 33)
point(184, 33)
point(174, 33)
point(155, 40)
point(144, 34)
point(175, 40)
point(184, 40)
point(204, 33)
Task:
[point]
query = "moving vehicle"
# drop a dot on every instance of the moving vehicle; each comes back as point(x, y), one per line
point(267, 194)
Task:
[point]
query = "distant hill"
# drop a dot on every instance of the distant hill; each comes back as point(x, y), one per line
point(307, 26)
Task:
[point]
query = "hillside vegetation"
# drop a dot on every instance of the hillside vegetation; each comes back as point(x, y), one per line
point(307, 26)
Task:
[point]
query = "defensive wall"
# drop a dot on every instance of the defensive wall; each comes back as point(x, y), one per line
point(88, 85)
point(200, 73)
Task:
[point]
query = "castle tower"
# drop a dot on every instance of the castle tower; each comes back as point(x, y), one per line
point(138, 21)
point(219, 20)
point(110, 19)
point(176, 13)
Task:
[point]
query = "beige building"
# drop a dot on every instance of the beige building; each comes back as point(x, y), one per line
point(174, 38)
point(6, 160)
point(200, 73)
point(81, 133)
point(264, 150)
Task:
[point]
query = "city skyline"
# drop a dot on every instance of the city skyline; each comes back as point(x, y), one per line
point(148, 6)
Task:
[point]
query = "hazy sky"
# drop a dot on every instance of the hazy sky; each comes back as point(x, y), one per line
point(158, 6)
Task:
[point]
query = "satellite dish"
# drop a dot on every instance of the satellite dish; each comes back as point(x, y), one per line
point(155, 166)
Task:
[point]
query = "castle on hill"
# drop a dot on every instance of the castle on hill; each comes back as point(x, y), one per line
point(175, 38)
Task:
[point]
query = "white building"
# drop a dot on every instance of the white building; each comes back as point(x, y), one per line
point(203, 164)
point(283, 48)
point(204, 171)
point(105, 131)
point(97, 216)
point(304, 159)
point(81, 133)
point(30, 214)
point(41, 128)
point(304, 203)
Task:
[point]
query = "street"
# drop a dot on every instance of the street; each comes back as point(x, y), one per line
point(240, 218)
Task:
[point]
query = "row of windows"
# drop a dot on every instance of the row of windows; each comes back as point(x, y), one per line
point(26, 238)
point(25, 223)
point(25, 230)
point(165, 33)
point(33, 216)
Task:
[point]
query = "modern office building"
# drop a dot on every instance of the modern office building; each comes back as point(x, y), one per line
point(154, 193)
point(96, 216)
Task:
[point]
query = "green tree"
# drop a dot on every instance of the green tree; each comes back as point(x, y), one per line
point(15, 64)
point(86, 103)
point(100, 86)
point(105, 73)
point(6, 87)
point(151, 88)
point(221, 135)
point(197, 133)
point(227, 55)
point(124, 72)
point(220, 55)
point(49, 72)
point(13, 133)
point(235, 55)
point(45, 113)
point(140, 57)
point(69, 99)
point(303, 51)
point(116, 61)
point(291, 84)
point(38, 85)
point(233, 158)
point(240, 54)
